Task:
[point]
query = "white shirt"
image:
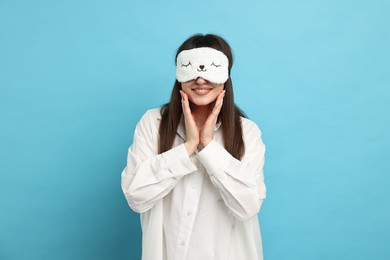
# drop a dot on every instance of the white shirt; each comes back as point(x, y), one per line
point(199, 207)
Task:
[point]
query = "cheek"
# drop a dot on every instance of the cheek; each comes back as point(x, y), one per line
point(184, 86)
point(219, 87)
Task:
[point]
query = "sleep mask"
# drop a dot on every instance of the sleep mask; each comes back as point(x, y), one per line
point(207, 63)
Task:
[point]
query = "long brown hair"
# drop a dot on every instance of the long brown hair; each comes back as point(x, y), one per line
point(229, 115)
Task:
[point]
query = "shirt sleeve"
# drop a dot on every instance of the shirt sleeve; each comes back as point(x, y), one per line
point(240, 182)
point(149, 176)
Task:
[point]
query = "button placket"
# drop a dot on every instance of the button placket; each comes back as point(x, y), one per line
point(190, 205)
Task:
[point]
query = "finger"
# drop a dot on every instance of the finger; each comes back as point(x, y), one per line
point(218, 104)
point(221, 96)
point(219, 101)
point(186, 105)
point(183, 99)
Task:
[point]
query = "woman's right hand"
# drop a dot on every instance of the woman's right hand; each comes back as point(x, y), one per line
point(192, 131)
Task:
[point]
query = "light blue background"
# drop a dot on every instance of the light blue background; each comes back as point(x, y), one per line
point(77, 75)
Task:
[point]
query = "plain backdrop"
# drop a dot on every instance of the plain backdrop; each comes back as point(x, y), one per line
point(77, 75)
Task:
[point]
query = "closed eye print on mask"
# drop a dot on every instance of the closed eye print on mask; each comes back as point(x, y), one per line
point(189, 63)
point(213, 64)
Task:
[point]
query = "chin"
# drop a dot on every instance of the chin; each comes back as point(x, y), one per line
point(202, 102)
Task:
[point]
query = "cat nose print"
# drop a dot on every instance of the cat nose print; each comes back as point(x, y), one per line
point(201, 67)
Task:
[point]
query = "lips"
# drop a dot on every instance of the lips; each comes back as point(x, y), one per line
point(201, 91)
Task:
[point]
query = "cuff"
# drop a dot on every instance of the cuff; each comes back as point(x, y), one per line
point(178, 161)
point(214, 157)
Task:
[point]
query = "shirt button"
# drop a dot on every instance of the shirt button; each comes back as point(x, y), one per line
point(189, 213)
point(182, 243)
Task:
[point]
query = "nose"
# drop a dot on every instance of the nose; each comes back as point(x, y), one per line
point(201, 67)
point(200, 81)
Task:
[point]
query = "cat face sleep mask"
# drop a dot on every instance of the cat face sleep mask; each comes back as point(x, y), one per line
point(207, 63)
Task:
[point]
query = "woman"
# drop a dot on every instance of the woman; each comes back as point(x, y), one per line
point(195, 168)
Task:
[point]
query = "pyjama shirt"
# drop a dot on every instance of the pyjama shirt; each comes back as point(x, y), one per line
point(197, 207)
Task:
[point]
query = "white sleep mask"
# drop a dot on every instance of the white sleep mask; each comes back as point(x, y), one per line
point(207, 63)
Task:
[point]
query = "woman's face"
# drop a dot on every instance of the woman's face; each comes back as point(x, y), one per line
point(201, 92)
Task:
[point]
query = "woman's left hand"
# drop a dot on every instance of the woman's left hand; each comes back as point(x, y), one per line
point(207, 131)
